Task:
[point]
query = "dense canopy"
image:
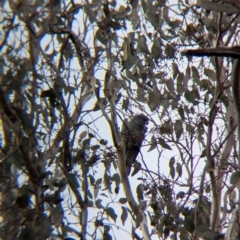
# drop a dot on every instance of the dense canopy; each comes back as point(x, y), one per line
point(73, 73)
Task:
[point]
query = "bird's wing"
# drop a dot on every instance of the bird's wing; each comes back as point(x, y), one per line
point(133, 134)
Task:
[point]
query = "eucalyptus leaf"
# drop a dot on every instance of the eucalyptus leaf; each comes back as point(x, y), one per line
point(140, 189)
point(101, 36)
point(235, 178)
point(178, 129)
point(172, 172)
point(156, 50)
point(124, 215)
point(73, 180)
point(142, 45)
point(162, 142)
point(111, 213)
point(98, 204)
point(153, 144)
point(210, 73)
point(170, 86)
point(123, 200)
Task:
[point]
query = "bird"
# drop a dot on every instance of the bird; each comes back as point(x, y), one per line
point(133, 134)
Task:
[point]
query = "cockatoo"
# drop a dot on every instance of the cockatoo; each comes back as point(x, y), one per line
point(133, 133)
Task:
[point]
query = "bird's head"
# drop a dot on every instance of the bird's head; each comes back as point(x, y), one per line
point(140, 120)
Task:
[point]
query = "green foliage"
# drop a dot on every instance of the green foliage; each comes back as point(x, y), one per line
point(235, 177)
point(70, 75)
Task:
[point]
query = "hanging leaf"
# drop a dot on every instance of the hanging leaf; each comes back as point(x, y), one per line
point(90, 13)
point(156, 50)
point(73, 180)
point(172, 172)
point(144, 6)
point(98, 204)
point(142, 45)
point(89, 194)
point(107, 181)
point(205, 84)
point(139, 190)
point(123, 200)
point(195, 75)
point(82, 135)
point(175, 70)
point(179, 169)
point(192, 96)
point(111, 213)
point(124, 215)
point(170, 86)
point(99, 182)
point(162, 142)
point(116, 178)
point(235, 178)
point(153, 144)
point(131, 76)
point(125, 49)
point(180, 86)
point(181, 112)
point(92, 179)
point(153, 100)
point(178, 129)
point(204, 153)
point(210, 73)
point(166, 15)
point(101, 37)
point(125, 104)
point(171, 161)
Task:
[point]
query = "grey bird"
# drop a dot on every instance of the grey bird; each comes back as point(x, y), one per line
point(133, 133)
